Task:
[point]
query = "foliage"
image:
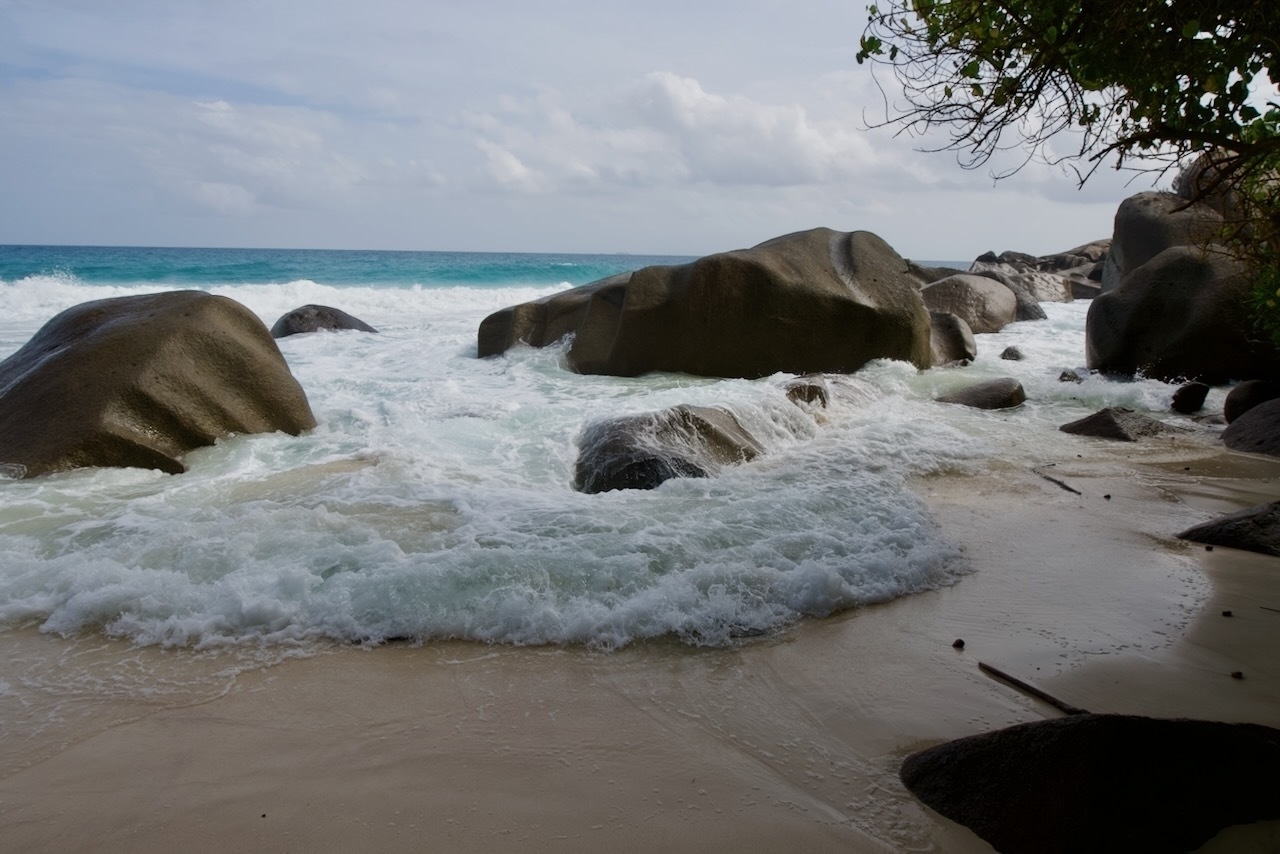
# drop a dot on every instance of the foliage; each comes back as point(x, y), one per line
point(1140, 78)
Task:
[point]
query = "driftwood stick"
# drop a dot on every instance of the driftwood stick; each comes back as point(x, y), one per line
point(1027, 688)
point(1265, 608)
point(1060, 483)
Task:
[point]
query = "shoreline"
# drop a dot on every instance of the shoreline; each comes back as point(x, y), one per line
point(792, 739)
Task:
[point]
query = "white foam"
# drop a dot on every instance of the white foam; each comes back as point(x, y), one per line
point(433, 500)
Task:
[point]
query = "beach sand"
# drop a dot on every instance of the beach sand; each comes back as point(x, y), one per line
point(787, 742)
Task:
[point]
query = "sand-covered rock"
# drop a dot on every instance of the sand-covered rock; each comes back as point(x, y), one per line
point(1255, 529)
point(139, 381)
point(1117, 423)
point(813, 302)
point(1102, 783)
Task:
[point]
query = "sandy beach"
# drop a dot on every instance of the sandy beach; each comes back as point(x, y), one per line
point(790, 741)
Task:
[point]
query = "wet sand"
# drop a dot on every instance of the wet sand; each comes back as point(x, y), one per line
point(788, 742)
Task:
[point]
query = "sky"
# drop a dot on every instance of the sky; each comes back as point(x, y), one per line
point(496, 125)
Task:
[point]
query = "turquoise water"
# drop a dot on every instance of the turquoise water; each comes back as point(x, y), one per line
point(201, 268)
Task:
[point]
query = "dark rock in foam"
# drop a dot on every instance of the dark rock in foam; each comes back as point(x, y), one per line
point(317, 318)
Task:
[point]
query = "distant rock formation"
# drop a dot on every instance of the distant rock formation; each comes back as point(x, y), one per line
point(139, 381)
point(811, 302)
point(983, 303)
point(317, 318)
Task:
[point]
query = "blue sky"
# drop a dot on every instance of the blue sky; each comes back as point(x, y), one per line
point(662, 127)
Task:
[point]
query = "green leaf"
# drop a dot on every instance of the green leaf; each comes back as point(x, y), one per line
point(1191, 29)
point(1051, 34)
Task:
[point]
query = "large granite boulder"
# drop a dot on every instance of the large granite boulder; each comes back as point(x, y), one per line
point(1094, 783)
point(1181, 315)
point(813, 302)
point(139, 381)
point(643, 451)
point(317, 318)
point(1149, 223)
point(983, 303)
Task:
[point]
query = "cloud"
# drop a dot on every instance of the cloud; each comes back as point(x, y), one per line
point(665, 130)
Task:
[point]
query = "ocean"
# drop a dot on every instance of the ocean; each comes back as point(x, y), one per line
point(434, 499)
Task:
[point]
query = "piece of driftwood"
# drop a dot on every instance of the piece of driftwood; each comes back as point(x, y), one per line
point(1027, 688)
point(1265, 608)
point(1054, 480)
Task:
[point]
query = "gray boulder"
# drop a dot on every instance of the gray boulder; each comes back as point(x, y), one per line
point(813, 302)
point(643, 451)
point(1002, 393)
point(983, 303)
point(1118, 423)
point(1257, 431)
point(950, 339)
point(139, 381)
point(317, 318)
point(1255, 529)
point(1181, 315)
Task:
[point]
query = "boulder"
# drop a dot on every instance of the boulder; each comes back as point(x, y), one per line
point(983, 303)
point(1002, 393)
point(1094, 783)
point(1247, 395)
point(1189, 398)
point(1118, 423)
point(1070, 375)
point(317, 318)
point(1012, 354)
point(1149, 223)
point(950, 339)
point(1181, 315)
point(642, 451)
point(929, 275)
point(1256, 431)
point(1086, 255)
point(813, 302)
point(1027, 300)
point(1255, 529)
point(139, 381)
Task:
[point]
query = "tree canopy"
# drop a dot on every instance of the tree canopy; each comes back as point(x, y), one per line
point(1146, 79)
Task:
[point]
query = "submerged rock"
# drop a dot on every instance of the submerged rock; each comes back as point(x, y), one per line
point(1255, 529)
point(643, 451)
point(1189, 398)
point(317, 318)
point(139, 381)
point(817, 301)
point(1094, 783)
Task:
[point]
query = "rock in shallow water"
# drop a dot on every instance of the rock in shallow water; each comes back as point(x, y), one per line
point(139, 381)
point(1001, 393)
point(1118, 423)
point(813, 302)
point(317, 318)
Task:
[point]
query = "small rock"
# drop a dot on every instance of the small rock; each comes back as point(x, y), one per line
point(1225, 613)
point(958, 643)
point(1002, 393)
point(1237, 674)
point(1012, 354)
point(1069, 376)
point(1189, 398)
